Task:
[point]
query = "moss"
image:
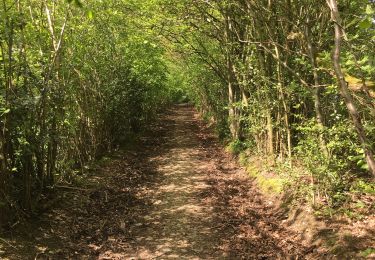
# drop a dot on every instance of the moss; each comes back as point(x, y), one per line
point(243, 160)
point(253, 171)
point(267, 184)
point(367, 252)
point(274, 185)
point(104, 160)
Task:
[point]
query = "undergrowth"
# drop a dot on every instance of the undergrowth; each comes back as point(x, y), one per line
point(347, 196)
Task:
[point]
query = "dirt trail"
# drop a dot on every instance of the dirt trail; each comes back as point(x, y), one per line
point(176, 196)
point(180, 224)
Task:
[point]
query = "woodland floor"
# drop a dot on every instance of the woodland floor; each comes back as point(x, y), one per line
point(175, 195)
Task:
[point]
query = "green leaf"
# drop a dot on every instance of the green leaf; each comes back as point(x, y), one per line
point(90, 14)
point(6, 111)
point(364, 167)
point(76, 2)
point(369, 10)
point(365, 24)
point(353, 22)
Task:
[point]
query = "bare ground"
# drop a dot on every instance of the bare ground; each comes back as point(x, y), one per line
point(176, 195)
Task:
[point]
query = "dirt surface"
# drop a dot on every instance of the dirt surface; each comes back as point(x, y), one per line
point(176, 195)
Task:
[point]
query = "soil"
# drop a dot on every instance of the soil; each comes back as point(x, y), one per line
point(175, 195)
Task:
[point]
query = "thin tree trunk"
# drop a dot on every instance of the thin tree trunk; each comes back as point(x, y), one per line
point(5, 146)
point(344, 88)
point(3, 165)
point(286, 111)
point(270, 133)
point(27, 162)
point(232, 95)
point(317, 88)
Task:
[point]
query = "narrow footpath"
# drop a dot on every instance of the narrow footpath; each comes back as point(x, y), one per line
point(176, 195)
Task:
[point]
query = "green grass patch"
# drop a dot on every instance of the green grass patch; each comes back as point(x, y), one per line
point(367, 252)
point(268, 184)
point(361, 186)
point(242, 159)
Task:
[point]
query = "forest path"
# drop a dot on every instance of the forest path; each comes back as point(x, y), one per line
point(175, 196)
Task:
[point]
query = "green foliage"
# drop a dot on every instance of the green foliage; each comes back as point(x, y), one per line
point(80, 81)
point(236, 147)
point(345, 160)
point(77, 82)
point(76, 2)
point(368, 252)
point(272, 185)
point(362, 186)
point(326, 170)
point(281, 96)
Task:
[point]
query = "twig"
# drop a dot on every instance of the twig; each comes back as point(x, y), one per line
point(15, 224)
point(70, 188)
point(6, 242)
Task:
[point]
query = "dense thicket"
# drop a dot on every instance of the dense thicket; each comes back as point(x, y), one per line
point(291, 81)
point(77, 79)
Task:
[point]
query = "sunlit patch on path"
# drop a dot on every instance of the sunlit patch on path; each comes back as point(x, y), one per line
point(180, 224)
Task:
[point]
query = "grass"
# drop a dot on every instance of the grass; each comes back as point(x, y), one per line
point(235, 148)
point(267, 184)
point(279, 179)
point(260, 170)
point(367, 252)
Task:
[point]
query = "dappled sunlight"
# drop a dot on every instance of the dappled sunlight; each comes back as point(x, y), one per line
point(201, 129)
point(179, 224)
point(199, 208)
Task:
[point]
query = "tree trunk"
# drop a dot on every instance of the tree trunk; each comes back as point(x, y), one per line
point(344, 87)
point(317, 88)
point(232, 95)
point(270, 149)
point(3, 167)
point(285, 107)
point(233, 117)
